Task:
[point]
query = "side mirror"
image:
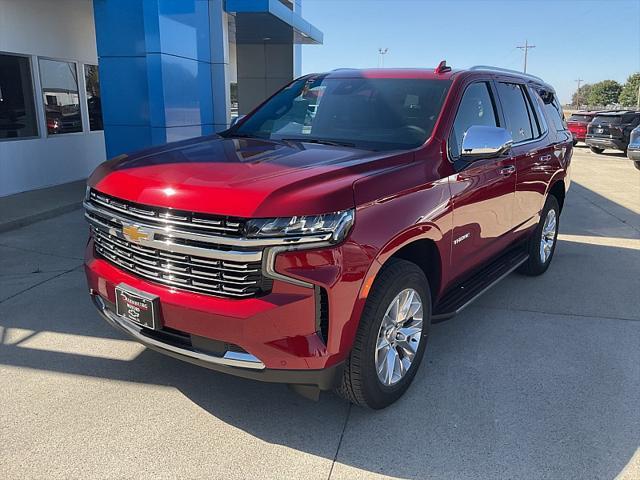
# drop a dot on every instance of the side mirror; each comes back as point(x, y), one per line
point(481, 141)
point(235, 120)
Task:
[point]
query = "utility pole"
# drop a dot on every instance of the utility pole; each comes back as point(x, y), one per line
point(578, 91)
point(526, 48)
point(381, 53)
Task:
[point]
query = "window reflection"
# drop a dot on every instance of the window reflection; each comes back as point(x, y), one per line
point(17, 110)
point(61, 100)
point(93, 97)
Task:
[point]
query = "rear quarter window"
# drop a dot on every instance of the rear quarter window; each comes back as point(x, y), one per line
point(580, 118)
point(607, 119)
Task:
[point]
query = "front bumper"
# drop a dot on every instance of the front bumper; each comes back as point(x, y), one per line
point(603, 142)
point(273, 338)
point(239, 364)
point(633, 153)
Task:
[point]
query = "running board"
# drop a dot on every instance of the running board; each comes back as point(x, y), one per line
point(459, 297)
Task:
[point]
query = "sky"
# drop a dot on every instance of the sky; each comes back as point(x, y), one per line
point(589, 39)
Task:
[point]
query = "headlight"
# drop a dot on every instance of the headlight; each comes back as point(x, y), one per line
point(332, 227)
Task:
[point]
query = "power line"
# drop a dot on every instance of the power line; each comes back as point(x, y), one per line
point(526, 48)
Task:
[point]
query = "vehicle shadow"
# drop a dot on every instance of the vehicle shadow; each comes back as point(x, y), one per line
point(537, 379)
point(502, 389)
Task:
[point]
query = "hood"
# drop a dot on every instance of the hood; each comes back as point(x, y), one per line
point(242, 177)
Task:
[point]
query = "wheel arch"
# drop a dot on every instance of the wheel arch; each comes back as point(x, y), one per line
point(558, 190)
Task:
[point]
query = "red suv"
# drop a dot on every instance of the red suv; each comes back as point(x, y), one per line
point(314, 242)
point(578, 123)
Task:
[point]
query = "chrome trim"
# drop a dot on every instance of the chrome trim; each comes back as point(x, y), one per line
point(230, 359)
point(231, 255)
point(269, 262)
point(485, 141)
point(202, 237)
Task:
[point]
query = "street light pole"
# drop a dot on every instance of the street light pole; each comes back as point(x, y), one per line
point(381, 53)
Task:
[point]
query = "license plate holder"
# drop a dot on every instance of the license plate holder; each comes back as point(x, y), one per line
point(139, 307)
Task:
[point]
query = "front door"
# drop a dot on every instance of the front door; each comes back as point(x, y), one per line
point(483, 193)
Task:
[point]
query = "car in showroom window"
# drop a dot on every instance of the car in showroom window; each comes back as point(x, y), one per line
point(60, 93)
point(17, 110)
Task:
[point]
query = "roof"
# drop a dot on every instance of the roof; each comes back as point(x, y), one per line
point(421, 73)
point(432, 74)
point(615, 113)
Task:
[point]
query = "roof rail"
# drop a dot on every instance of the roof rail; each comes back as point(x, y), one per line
point(506, 70)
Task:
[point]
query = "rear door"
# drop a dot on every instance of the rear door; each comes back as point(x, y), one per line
point(532, 150)
point(483, 191)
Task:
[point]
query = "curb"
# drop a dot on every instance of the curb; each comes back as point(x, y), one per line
point(37, 217)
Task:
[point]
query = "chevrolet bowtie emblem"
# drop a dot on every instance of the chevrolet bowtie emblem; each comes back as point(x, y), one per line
point(133, 233)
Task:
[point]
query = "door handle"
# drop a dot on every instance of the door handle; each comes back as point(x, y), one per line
point(506, 171)
point(545, 158)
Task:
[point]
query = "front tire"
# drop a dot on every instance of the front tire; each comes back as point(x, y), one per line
point(596, 149)
point(391, 337)
point(637, 164)
point(542, 243)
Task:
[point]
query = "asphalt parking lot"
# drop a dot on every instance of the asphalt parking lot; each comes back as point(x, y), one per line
point(540, 378)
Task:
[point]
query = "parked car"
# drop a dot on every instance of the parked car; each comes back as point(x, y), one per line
point(633, 150)
point(611, 130)
point(315, 250)
point(577, 124)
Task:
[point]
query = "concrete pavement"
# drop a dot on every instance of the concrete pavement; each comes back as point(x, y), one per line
point(538, 379)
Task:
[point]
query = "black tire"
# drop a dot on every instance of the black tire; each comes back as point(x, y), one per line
point(360, 383)
point(575, 142)
point(596, 149)
point(637, 164)
point(534, 265)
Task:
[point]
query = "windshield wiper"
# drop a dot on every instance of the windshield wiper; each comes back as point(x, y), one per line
point(335, 143)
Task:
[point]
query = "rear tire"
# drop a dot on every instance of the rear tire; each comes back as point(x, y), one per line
point(542, 242)
point(637, 164)
point(362, 382)
point(596, 149)
point(575, 142)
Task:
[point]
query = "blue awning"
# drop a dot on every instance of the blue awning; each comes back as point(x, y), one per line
point(270, 20)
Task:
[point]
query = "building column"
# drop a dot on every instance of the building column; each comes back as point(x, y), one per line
point(262, 70)
point(162, 68)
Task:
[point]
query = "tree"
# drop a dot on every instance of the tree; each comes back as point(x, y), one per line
point(604, 93)
point(581, 96)
point(630, 91)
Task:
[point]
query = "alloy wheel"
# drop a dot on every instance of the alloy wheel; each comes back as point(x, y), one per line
point(548, 236)
point(399, 337)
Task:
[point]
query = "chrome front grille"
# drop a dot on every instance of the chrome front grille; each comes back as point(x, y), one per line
point(162, 217)
point(174, 252)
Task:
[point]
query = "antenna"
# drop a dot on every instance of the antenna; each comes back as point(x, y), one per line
point(442, 67)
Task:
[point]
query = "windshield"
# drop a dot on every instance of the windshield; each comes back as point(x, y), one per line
point(376, 114)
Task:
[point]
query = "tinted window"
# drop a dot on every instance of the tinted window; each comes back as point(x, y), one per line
point(514, 105)
point(608, 119)
point(93, 96)
point(580, 118)
point(61, 99)
point(370, 113)
point(554, 111)
point(476, 108)
point(17, 111)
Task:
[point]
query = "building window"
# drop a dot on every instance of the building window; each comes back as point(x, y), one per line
point(17, 109)
point(61, 100)
point(93, 97)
